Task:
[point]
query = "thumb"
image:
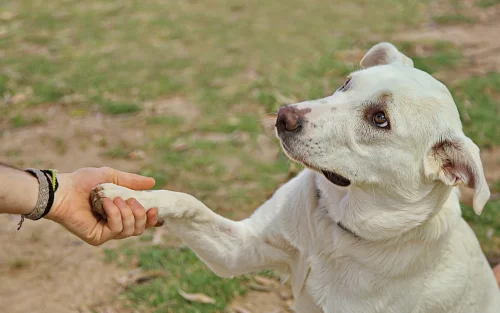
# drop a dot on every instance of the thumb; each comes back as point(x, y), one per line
point(129, 180)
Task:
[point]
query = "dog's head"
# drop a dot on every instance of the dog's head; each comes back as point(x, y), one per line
point(389, 125)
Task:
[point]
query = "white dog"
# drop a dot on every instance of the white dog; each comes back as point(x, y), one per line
point(374, 222)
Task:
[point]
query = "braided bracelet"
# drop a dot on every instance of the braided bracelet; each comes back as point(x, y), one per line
point(48, 185)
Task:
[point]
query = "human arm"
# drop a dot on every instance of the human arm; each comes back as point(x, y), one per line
point(72, 208)
point(18, 191)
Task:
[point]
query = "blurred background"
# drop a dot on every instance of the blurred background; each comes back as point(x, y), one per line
point(177, 90)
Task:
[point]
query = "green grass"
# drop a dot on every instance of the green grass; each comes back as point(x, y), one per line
point(244, 123)
point(118, 152)
point(161, 177)
point(486, 226)
point(477, 99)
point(144, 50)
point(120, 107)
point(171, 121)
point(183, 270)
point(448, 19)
point(487, 3)
point(18, 121)
point(439, 55)
point(3, 84)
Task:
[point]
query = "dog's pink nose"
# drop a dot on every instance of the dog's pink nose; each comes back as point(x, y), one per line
point(289, 119)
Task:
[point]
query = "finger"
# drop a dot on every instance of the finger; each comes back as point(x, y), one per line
point(114, 216)
point(139, 215)
point(127, 218)
point(129, 180)
point(152, 218)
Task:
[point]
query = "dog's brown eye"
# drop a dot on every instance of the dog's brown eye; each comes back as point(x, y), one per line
point(380, 120)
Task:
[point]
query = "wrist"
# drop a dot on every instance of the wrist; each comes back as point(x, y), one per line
point(31, 193)
point(60, 196)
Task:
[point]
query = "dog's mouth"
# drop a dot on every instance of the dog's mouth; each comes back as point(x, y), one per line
point(333, 177)
point(336, 178)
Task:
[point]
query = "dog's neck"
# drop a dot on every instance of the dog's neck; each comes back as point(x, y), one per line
point(375, 214)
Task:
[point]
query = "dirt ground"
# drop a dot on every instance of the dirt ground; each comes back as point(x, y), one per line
point(43, 267)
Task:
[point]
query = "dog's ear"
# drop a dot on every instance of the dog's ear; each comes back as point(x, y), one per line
point(384, 53)
point(456, 161)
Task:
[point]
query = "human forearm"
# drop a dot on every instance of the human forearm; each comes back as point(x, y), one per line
point(18, 191)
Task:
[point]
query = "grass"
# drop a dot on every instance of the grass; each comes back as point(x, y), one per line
point(486, 226)
point(487, 3)
point(118, 152)
point(477, 99)
point(120, 107)
point(438, 55)
point(183, 271)
point(233, 63)
point(448, 19)
point(18, 121)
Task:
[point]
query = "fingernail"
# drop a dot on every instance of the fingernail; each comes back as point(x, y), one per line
point(134, 204)
point(159, 224)
point(119, 202)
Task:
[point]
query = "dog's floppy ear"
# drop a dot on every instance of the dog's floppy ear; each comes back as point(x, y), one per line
point(384, 53)
point(456, 161)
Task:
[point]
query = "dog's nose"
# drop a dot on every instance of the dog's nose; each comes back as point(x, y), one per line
point(289, 119)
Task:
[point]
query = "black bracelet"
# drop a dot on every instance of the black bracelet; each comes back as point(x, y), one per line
point(46, 193)
point(53, 178)
point(51, 196)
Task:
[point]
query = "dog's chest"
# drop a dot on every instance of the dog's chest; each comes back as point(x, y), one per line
point(347, 275)
point(345, 286)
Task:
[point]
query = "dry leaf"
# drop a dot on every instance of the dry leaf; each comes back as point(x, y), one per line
point(240, 310)
point(258, 287)
point(196, 297)
point(265, 281)
point(137, 277)
point(180, 145)
point(286, 295)
point(137, 155)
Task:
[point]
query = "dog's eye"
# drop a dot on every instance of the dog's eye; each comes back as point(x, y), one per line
point(380, 120)
point(344, 87)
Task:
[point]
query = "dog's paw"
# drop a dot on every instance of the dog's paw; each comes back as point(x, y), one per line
point(97, 200)
point(110, 191)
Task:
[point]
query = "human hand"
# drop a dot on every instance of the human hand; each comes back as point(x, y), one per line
point(72, 206)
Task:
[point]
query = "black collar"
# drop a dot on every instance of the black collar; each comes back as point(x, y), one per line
point(342, 226)
point(339, 224)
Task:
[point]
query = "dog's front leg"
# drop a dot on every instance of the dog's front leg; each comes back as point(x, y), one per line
point(229, 248)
